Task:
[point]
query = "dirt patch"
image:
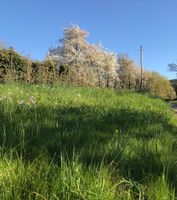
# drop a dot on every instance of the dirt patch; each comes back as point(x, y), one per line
point(174, 106)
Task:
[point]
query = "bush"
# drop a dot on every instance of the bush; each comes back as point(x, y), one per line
point(160, 86)
point(13, 66)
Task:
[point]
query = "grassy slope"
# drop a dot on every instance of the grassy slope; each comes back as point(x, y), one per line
point(82, 143)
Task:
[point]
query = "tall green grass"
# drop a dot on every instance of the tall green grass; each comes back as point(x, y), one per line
point(59, 142)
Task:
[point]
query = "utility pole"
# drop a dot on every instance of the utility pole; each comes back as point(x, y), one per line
point(11, 60)
point(141, 65)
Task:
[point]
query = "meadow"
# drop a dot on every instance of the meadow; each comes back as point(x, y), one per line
point(73, 143)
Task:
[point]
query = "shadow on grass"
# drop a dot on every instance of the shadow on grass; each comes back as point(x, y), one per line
point(97, 136)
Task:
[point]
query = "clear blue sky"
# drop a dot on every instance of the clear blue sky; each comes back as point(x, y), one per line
point(32, 26)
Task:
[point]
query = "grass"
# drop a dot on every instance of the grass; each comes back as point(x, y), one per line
point(59, 142)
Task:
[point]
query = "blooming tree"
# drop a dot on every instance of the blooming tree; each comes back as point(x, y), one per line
point(84, 63)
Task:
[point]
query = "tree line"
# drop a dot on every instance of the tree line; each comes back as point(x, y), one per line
point(76, 62)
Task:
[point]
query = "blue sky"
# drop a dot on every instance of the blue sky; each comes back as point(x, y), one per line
point(33, 26)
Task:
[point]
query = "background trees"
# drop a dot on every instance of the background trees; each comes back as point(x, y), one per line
point(173, 68)
point(128, 73)
point(77, 62)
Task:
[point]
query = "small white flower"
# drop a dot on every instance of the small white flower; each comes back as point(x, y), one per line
point(20, 102)
point(78, 95)
point(32, 100)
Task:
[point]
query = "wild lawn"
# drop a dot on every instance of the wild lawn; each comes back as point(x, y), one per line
point(59, 142)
